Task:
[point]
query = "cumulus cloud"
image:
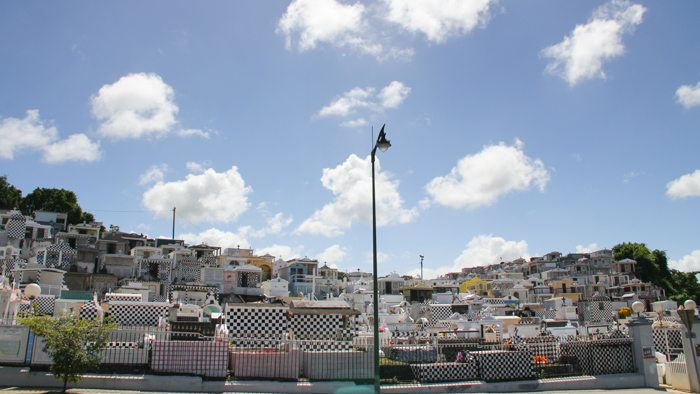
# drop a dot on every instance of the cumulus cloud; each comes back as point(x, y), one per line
point(686, 186)
point(277, 223)
point(206, 197)
point(350, 183)
point(688, 95)
point(31, 134)
point(349, 103)
point(482, 250)
point(196, 168)
point(393, 95)
point(587, 249)
point(215, 237)
point(581, 54)
point(332, 255)
point(480, 179)
point(315, 22)
point(688, 263)
point(137, 106)
point(439, 20)
point(361, 122)
point(190, 132)
point(282, 251)
point(154, 174)
point(372, 30)
point(357, 99)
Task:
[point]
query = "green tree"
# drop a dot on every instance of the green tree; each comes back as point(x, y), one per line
point(73, 344)
point(685, 286)
point(54, 200)
point(10, 196)
point(87, 217)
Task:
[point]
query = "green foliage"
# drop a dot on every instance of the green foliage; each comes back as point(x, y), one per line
point(652, 266)
point(73, 344)
point(10, 196)
point(685, 286)
point(54, 200)
point(87, 217)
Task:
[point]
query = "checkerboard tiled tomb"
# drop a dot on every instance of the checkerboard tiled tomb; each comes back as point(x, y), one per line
point(318, 326)
point(445, 372)
point(498, 365)
point(137, 314)
point(109, 297)
point(256, 320)
point(89, 311)
point(667, 338)
point(601, 357)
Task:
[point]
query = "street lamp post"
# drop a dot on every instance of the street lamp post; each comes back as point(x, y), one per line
point(383, 144)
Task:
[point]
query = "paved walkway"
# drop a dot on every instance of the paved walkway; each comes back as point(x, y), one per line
point(20, 390)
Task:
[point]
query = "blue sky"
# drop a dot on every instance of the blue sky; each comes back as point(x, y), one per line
point(517, 128)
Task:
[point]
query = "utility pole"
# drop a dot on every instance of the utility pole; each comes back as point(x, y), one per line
point(174, 222)
point(421, 266)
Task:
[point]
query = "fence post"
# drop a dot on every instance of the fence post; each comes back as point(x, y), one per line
point(643, 341)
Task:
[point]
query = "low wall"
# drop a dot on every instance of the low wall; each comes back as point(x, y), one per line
point(266, 364)
point(338, 365)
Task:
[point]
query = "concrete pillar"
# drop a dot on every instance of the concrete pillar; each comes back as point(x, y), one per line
point(640, 331)
point(690, 341)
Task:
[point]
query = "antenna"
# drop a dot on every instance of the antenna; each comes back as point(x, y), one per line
point(421, 266)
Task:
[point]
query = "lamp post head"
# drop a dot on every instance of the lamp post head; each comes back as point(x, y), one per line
point(689, 305)
point(382, 143)
point(32, 291)
point(638, 307)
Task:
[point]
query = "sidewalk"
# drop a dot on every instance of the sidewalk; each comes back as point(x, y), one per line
point(20, 380)
point(17, 390)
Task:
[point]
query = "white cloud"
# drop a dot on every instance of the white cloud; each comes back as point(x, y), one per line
point(355, 123)
point(209, 196)
point(324, 21)
point(154, 174)
point(30, 134)
point(189, 132)
point(439, 20)
point(308, 24)
point(277, 223)
point(480, 179)
point(394, 94)
point(390, 97)
point(349, 102)
point(332, 255)
point(137, 106)
point(482, 250)
point(587, 249)
point(351, 183)
point(282, 251)
point(215, 237)
point(688, 95)
point(580, 55)
point(686, 186)
point(196, 168)
point(77, 147)
point(688, 263)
